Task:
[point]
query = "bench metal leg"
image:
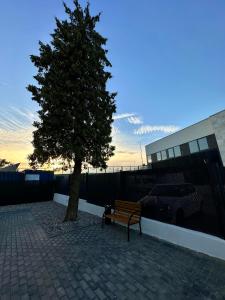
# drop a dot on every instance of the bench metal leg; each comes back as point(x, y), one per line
point(103, 221)
point(128, 232)
point(140, 227)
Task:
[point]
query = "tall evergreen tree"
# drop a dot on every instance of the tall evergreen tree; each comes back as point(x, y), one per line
point(3, 162)
point(76, 109)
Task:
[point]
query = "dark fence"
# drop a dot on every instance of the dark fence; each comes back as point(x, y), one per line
point(95, 188)
point(204, 173)
point(16, 187)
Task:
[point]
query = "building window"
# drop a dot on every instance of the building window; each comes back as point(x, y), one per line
point(177, 151)
point(193, 146)
point(164, 155)
point(158, 155)
point(149, 159)
point(203, 144)
point(170, 153)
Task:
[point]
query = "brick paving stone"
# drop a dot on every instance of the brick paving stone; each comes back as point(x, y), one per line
point(100, 294)
point(43, 258)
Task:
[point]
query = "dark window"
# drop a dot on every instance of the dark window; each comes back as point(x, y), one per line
point(193, 146)
point(177, 151)
point(165, 190)
point(186, 189)
point(170, 153)
point(164, 155)
point(203, 144)
point(158, 154)
point(172, 190)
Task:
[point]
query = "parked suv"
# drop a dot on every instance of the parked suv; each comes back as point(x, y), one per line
point(171, 202)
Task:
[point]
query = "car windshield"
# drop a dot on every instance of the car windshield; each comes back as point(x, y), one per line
point(172, 190)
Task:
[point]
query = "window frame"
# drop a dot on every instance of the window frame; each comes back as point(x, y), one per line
point(170, 157)
point(159, 152)
point(163, 151)
point(198, 149)
point(203, 138)
point(178, 146)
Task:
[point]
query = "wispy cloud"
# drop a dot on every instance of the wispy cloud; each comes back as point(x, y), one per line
point(115, 130)
point(19, 137)
point(127, 152)
point(145, 129)
point(13, 119)
point(135, 120)
point(24, 113)
point(16, 133)
point(123, 116)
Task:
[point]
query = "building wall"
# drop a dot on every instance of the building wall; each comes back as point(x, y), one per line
point(218, 125)
point(183, 136)
point(214, 126)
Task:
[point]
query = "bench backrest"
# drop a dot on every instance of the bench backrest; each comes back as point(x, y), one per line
point(127, 207)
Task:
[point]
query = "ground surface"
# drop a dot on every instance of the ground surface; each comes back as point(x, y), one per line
point(41, 258)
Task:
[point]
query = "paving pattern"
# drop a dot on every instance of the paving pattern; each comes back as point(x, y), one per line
point(43, 258)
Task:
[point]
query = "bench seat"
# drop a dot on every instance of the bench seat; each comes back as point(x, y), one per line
point(122, 218)
point(125, 212)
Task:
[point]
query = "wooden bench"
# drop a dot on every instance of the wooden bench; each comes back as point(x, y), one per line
point(125, 212)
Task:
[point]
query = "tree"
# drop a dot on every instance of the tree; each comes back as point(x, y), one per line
point(3, 162)
point(76, 109)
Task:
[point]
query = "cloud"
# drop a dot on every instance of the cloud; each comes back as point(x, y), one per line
point(18, 137)
point(115, 130)
point(13, 119)
point(16, 133)
point(123, 116)
point(135, 120)
point(145, 129)
point(126, 152)
point(26, 114)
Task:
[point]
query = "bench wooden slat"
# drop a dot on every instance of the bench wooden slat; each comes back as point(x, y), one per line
point(127, 205)
point(125, 212)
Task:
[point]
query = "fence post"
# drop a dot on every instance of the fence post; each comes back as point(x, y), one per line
point(216, 184)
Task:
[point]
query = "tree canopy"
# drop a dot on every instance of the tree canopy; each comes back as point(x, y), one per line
point(76, 109)
point(3, 162)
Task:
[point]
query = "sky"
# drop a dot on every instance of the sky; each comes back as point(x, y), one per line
point(167, 60)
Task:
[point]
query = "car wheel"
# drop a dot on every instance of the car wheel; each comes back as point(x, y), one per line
point(180, 217)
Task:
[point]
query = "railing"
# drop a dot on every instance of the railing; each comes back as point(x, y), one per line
point(114, 169)
point(91, 170)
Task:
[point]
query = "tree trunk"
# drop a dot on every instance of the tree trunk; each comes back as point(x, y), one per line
point(74, 188)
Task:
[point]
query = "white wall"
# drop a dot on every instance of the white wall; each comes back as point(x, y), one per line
point(83, 205)
point(218, 125)
point(193, 240)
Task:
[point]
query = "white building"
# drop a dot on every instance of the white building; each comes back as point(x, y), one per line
point(203, 136)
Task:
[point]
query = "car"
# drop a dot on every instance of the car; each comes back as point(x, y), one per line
point(171, 202)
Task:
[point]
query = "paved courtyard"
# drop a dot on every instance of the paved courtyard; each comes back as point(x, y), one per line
point(41, 258)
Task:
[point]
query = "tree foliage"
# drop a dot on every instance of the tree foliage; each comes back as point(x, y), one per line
point(76, 108)
point(3, 162)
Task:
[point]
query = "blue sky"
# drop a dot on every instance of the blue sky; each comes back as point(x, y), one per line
point(168, 67)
